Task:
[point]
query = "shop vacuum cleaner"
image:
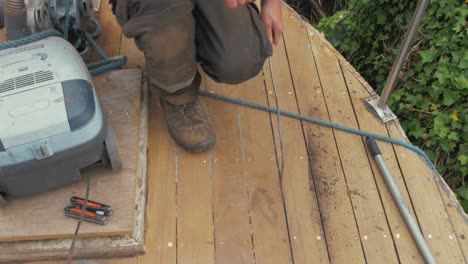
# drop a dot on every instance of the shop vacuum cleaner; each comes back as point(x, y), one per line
point(51, 123)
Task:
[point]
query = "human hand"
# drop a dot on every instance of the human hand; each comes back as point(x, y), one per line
point(272, 17)
point(236, 3)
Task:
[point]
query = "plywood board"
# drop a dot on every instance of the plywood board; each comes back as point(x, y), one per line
point(102, 245)
point(41, 216)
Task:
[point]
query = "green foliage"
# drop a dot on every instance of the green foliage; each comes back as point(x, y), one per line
point(430, 97)
point(462, 194)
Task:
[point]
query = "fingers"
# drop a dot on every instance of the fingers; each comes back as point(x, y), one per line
point(277, 33)
point(230, 3)
point(269, 31)
point(237, 3)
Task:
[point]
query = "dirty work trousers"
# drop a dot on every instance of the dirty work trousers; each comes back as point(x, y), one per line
point(175, 36)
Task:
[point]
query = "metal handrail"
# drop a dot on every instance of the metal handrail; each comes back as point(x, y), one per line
point(409, 37)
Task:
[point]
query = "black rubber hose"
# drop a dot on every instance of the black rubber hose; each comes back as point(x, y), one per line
point(374, 149)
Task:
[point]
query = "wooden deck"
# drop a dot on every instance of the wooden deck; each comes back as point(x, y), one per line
point(229, 206)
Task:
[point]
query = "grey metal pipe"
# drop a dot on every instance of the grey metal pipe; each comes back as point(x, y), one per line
point(15, 19)
point(413, 27)
point(398, 198)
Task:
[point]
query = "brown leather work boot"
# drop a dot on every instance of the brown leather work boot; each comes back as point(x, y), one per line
point(189, 126)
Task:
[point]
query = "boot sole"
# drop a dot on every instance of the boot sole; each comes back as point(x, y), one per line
point(203, 146)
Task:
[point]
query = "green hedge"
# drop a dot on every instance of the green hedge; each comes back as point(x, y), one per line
point(430, 97)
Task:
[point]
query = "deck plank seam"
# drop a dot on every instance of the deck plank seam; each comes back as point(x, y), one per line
point(311, 173)
point(280, 183)
point(421, 228)
point(311, 30)
point(371, 168)
point(210, 164)
point(366, 85)
point(210, 168)
point(453, 227)
point(278, 164)
point(177, 229)
point(339, 154)
point(371, 92)
point(246, 181)
point(406, 184)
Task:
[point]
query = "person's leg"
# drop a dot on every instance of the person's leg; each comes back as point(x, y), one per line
point(165, 31)
point(232, 44)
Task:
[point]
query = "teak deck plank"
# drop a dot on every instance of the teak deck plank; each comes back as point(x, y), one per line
point(305, 228)
point(434, 221)
point(228, 205)
point(406, 248)
point(261, 172)
point(161, 210)
point(368, 210)
point(341, 233)
point(195, 237)
point(230, 198)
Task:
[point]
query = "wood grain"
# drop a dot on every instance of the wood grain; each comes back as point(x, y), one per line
point(434, 221)
point(368, 209)
point(230, 196)
point(406, 248)
point(339, 224)
point(119, 93)
point(194, 212)
point(161, 236)
point(238, 214)
point(270, 231)
point(305, 227)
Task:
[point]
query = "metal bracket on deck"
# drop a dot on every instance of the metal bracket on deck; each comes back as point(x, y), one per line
point(385, 114)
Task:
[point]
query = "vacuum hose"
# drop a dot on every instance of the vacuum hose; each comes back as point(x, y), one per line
point(15, 19)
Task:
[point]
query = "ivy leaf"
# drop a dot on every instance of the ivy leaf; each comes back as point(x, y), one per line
point(433, 80)
point(454, 116)
point(440, 127)
point(442, 74)
point(434, 107)
point(463, 192)
point(464, 204)
point(463, 158)
point(453, 136)
point(464, 60)
point(414, 127)
point(461, 81)
point(450, 97)
point(428, 55)
point(381, 19)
